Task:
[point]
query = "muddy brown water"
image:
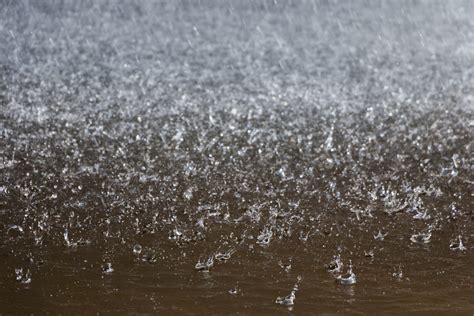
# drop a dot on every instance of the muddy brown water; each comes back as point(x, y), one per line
point(71, 281)
point(392, 275)
point(138, 140)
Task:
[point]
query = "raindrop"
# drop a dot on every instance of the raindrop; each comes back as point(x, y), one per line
point(265, 237)
point(107, 268)
point(398, 274)
point(289, 300)
point(421, 238)
point(205, 265)
point(23, 277)
point(380, 236)
point(137, 249)
point(349, 278)
point(335, 265)
point(285, 265)
point(224, 256)
point(15, 231)
point(457, 245)
point(188, 194)
point(234, 291)
point(369, 254)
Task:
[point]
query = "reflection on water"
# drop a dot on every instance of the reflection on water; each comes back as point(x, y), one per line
point(260, 157)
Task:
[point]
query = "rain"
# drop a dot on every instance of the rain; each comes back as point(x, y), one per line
point(211, 157)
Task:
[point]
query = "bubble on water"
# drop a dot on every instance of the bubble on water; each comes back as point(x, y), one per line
point(137, 249)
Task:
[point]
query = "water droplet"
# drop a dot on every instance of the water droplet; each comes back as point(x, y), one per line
point(224, 256)
point(188, 194)
point(265, 237)
point(205, 265)
point(23, 277)
point(457, 245)
point(380, 236)
point(234, 291)
point(107, 268)
point(335, 265)
point(285, 265)
point(349, 278)
point(289, 300)
point(137, 249)
point(398, 274)
point(421, 238)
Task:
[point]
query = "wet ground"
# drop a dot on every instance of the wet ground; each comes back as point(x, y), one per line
point(236, 157)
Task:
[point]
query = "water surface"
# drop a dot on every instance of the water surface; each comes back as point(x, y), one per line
point(142, 142)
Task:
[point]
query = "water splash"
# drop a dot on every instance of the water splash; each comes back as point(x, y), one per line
point(398, 273)
point(265, 236)
point(422, 215)
point(67, 240)
point(303, 236)
point(286, 266)
point(289, 300)
point(457, 245)
point(107, 268)
point(335, 266)
point(380, 236)
point(235, 290)
point(369, 254)
point(205, 265)
point(225, 255)
point(150, 258)
point(421, 238)
point(349, 278)
point(137, 249)
point(24, 277)
point(15, 228)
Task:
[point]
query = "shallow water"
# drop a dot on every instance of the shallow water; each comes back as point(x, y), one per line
point(212, 157)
